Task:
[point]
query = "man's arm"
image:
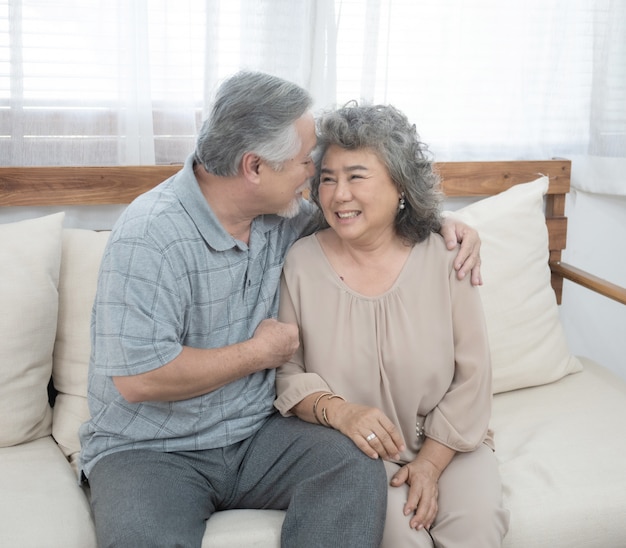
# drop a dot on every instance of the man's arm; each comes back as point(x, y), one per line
point(197, 371)
point(454, 232)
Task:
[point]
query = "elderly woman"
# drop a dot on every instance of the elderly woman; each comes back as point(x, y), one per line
point(394, 351)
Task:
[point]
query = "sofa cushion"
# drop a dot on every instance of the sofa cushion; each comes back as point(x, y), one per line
point(561, 452)
point(41, 502)
point(262, 529)
point(30, 255)
point(527, 341)
point(82, 253)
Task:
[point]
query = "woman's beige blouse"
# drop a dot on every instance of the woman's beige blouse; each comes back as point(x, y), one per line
point(419, 352)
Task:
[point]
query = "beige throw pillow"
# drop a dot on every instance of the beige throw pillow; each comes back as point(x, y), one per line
point(30, 255)
point(527, 340)
point(82, 254)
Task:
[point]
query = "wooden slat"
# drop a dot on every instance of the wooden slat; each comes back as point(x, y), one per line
point(36, 186)
point(489, 178)
point(557, 233)
point(555, 205)
point(556, 281)
point(603, 287)
point(43, 186)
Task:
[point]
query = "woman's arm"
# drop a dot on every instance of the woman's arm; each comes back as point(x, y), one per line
point(368, 427)
point(461, 417)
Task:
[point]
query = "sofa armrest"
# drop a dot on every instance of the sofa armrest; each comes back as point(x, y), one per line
point(603, 287)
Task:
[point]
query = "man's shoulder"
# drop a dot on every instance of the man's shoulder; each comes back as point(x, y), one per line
point(153, 213)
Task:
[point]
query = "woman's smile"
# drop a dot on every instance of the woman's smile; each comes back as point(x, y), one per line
point(346, 215)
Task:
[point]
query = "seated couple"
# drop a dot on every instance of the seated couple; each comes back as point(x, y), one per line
point(379, 350)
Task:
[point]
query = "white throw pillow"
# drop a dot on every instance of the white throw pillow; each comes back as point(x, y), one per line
point(30, 255)
point(528, 346)
point(82, 254)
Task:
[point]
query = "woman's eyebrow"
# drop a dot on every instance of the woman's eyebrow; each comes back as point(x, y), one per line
point(356, 167)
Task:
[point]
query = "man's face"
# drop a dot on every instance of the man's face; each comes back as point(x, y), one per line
point(284, 188)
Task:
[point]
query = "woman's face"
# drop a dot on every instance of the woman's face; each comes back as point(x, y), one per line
point(357, 195)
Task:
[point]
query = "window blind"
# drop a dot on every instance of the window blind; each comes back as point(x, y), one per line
point(123, 82)
point(85, 81)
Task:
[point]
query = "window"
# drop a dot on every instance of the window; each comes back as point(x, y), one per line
point(126, 82)
point(84, 81)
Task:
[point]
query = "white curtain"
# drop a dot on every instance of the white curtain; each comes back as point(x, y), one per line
point(99, 81)
point(128, 81)
point(490, 78)
point(291, 39)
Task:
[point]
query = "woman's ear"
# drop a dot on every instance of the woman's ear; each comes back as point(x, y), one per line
point(251, 167)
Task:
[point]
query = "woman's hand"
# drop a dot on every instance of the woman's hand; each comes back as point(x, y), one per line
point(369, 428)
point(422, 476)
point(468, 258)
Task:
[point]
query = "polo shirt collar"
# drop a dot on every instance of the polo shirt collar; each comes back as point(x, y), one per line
point(193, 201)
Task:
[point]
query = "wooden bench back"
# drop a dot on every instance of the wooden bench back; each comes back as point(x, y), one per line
point(71, 186)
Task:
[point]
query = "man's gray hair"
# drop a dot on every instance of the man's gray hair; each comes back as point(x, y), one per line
point(252, 112)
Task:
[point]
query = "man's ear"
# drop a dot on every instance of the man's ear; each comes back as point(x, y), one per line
point(251, 167)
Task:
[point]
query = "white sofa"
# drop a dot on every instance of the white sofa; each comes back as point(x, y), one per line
point(558, 419)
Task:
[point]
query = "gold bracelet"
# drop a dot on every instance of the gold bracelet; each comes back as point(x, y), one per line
point(324, 415)
point(316, 402)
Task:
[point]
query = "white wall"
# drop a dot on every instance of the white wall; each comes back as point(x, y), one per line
point(595, 326)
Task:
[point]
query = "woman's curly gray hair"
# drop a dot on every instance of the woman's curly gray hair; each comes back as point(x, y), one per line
point(388, 133)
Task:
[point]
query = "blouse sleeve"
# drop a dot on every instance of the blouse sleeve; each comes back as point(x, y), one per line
point(461, 418)
point(293, 383)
